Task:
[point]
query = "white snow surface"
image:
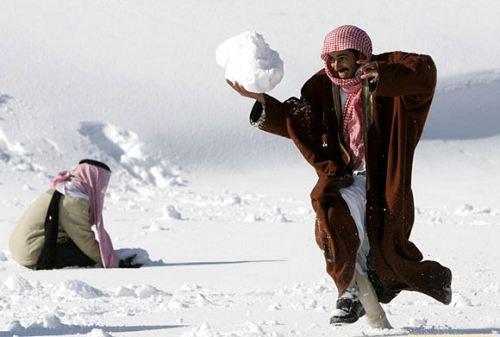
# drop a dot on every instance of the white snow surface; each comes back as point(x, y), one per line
point(248, 60)
point(218, 213)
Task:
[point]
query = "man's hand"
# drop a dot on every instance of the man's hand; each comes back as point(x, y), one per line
point(245, 93)
point(128, 262)
point(369, 70)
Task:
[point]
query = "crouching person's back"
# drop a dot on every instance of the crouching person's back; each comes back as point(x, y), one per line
point(56, 230)
point(76, 243)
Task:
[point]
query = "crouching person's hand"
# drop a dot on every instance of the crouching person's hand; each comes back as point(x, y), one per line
point(128, 262)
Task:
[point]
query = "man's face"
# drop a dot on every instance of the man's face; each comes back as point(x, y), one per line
point(343, 63)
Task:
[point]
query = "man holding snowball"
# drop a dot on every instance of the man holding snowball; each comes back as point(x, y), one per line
point(357, 122)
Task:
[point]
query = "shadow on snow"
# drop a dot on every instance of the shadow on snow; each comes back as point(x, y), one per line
point(210, 263)
point(75, 329)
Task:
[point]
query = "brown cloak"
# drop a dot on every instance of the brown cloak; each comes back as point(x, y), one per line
point(395, 113)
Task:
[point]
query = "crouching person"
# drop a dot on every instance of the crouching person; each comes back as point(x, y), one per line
point(55, 232)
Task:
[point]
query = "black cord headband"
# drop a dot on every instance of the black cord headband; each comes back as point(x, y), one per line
point(95, 163)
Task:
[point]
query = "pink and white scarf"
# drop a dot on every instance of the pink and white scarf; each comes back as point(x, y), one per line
point(342, 38)
point(93, 181)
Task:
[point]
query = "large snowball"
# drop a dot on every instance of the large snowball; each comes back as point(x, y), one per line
point(248, 60)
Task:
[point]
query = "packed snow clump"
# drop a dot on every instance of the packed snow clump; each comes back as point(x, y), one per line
point(248, 60)
point(70, 289)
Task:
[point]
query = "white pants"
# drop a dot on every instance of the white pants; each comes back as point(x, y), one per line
point(355, 198)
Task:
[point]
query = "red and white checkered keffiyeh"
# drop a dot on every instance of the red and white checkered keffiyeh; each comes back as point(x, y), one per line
point(342, 38)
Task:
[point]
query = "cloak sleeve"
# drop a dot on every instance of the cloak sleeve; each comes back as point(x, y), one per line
point(270, 116)
point(301, 120)
point(406, 74)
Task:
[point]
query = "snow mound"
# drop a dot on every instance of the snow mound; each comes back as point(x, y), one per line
point(171, 212)
point(202, 301)
point(250, 217)
point(125, 292)
point(9, 147)
point(249, 329)
point(231, 200)
point(492, 288)
point(18, 284)
point(141, 291)
point(50, 321)
point(4, 256)
point(175, 304)
point(460, 300)
point(273, 214)
point(125, 150)
point(417, 322)
point(467, 209)
point(385, 332)
point(76, 289)
point(189, 287)
point(248, 60)
point(279, 216)
point(28, 144)
point(146, 291)
point(275, 307)
point(12, 151)
point(204, 330)
point(14, 326)
point(156, 227)
point(470, 102)
point(4, 99)
point(254, 328)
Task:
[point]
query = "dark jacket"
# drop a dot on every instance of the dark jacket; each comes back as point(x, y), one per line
point(395, 111)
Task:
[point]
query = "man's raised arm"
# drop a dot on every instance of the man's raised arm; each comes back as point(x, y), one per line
point(406, 74)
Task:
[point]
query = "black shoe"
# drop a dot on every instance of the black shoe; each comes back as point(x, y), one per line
point(349, 310)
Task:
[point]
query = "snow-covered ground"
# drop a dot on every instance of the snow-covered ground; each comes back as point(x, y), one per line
point(208, 202)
